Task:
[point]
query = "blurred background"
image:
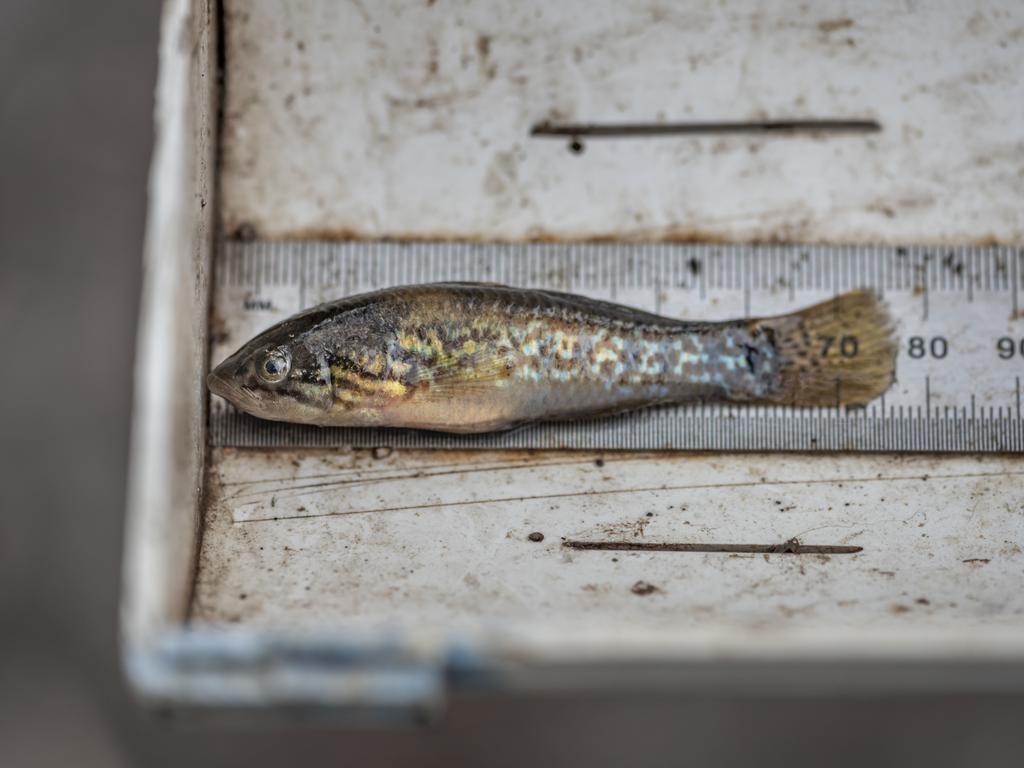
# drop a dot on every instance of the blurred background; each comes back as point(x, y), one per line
point(76, 98)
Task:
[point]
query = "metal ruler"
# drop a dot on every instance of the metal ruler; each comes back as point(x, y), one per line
point(958, 312)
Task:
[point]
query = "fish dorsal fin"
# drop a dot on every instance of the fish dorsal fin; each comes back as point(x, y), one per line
point(566, 302)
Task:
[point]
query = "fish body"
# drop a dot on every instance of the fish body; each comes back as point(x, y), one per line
point(464, 357)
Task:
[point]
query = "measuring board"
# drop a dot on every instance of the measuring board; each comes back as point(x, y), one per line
point(957, 311)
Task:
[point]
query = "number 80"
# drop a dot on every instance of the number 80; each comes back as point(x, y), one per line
point(936, 347)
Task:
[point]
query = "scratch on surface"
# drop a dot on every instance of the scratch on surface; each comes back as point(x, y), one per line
point(630, 490)
point(367, 470)
point(288, 489)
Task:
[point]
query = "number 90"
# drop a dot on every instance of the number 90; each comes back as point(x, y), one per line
point(1008, 348)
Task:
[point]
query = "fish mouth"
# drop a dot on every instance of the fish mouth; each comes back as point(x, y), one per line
point(220, 382)
point(225, 382)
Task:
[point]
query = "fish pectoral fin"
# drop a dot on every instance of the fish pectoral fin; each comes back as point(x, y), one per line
point(449, 377)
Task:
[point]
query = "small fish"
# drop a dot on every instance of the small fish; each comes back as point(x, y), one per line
point(468, 357)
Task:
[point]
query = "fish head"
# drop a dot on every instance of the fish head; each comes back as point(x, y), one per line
point(279, 375)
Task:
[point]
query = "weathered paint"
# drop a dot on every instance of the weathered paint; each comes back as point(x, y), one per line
point(398, 119)
point(308, 539)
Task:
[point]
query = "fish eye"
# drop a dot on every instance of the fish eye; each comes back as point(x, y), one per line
point(274, 367)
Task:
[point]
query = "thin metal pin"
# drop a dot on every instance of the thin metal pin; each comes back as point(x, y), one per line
point(790, 547)
point(625, 130)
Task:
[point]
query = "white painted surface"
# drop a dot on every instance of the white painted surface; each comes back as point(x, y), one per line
point(407, 119)
point(303, 541)
point(394, 119)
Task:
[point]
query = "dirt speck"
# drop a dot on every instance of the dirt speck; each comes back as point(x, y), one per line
point(898, 608)
point(483, 49)
point(483, 45)
point(502, 176)
point(245, 232)
point(977, 561)
point(832, 25)
point(536, 536)
point(923, 601)
point(644, 588)
point(218, 330)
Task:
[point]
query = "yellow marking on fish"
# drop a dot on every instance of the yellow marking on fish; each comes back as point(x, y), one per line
point(346, 395)
point(407, 341)
point(367, 385)
point(389, 387)
point(434, 342)
point(399, 368)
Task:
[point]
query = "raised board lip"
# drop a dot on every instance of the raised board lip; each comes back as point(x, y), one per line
point(168, 411)
point(406, 673)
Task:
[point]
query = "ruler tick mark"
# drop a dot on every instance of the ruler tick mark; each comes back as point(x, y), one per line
point(1015, 257)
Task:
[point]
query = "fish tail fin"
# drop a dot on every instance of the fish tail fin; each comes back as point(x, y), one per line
point(841, 352)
